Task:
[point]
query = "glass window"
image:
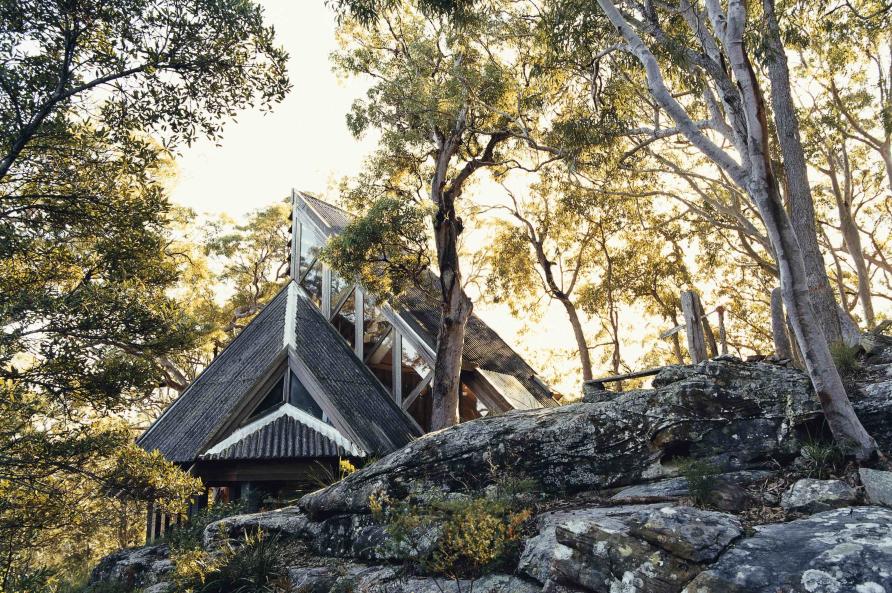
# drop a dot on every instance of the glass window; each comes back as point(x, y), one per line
point(339, 290)
point(344, 319)
point(413, 360)
point(272, 398)
point(300, 398)
point(312, 282)
point(310, 244)
point(375, 328)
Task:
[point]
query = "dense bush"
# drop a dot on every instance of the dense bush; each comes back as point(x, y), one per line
point(459, 536)
point(253, 565)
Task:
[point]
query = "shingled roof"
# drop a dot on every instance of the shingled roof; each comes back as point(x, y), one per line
point(284, 433)
point(420, 309)
point(289, 329)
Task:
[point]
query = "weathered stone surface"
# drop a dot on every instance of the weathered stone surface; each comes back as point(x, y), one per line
point(678, 487)
point(669, 488)
point(877, 486)
point(689, 533)
point(814, 496)
point(289, 521)
point(357, 578)
point(134, 567)
point(847, 550)
point(347, 535)
point(728, 412)
point(162, 587)
point(635, 548)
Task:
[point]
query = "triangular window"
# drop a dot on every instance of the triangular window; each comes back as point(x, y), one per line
point(300, 398)
point(272, 398)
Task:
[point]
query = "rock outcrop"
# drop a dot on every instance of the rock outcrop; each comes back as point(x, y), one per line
point(813, 496)
point(134, 567)
point(732, 414)
point(839, 551)
point(614, 511)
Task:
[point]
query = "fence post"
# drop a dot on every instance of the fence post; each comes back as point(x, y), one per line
point(690, 306)
point(723, 336)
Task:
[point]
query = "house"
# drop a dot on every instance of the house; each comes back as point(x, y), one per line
point(325, 373)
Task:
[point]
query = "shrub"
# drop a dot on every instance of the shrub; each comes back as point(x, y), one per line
point(820, 459)
point(702, 479)
point(845, 358)
point(252, 566)
point(187, 536)
point(460, 536)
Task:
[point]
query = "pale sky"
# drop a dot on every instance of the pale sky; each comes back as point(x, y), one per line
point(304, 143)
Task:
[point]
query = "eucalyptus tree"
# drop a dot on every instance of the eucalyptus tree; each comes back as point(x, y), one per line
point(545, 247)
point(848, 52)
point(450, 101)
point(709, 42)
point(253, 258)
point(88, 312)
point(176, 69)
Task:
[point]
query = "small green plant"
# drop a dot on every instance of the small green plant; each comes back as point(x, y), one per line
point(702, 479)
point(325, 475)
point(188, 535)
point(459, 536)
point(254, 565)
point(845, 358)
point(820, 459)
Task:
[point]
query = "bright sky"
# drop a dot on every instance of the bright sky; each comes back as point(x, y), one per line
point(304, 143)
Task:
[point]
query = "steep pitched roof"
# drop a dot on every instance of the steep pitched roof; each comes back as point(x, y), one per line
point(214, 396)
point(288, 328)
point(420, 309)
point(348, 383)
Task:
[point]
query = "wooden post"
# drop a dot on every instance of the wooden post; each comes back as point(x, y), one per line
point(693, 325)
point(782, 349)
point(150, 523)
point(707, 330)
point(723, 337)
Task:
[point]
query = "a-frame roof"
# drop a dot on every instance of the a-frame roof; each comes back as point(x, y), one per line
point(420, 310)
point(289, 330)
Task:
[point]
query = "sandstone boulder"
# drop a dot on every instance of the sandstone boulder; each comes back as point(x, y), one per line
point(134, 567)
point(733, 414)
point(839, 551)
point(634, 549)
point(877, 486)
point(814, 496)
point(358, 578)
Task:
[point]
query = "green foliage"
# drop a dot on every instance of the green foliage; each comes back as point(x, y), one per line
point(820, 460)
point(254, 565)
point(253, 258)
point(188, 536)
point(702, 478)
point(73, 488)
point(175, 72)
point(460, 536)
point(386, 248)
point(89, 322)
point(845, 358)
